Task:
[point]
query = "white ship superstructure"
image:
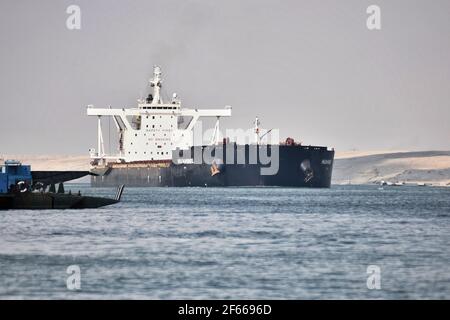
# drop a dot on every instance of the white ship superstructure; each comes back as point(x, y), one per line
point(153, 129)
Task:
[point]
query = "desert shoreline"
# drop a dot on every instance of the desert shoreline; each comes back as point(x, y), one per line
point(350, 167)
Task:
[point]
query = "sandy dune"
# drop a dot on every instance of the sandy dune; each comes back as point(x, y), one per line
point(51, 162)
point(431, 167)
point(362, 153)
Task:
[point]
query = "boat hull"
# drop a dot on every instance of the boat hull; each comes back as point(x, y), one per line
point(41, 201)
point(298, 166)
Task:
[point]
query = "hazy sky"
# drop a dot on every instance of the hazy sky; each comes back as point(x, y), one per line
point(310, 68)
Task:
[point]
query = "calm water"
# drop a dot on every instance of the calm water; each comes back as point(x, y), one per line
point(266, 243)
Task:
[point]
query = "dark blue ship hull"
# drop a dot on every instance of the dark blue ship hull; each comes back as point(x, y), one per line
point(40, 201)
point(298, 166)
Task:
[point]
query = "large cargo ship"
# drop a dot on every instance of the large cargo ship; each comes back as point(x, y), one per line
point(159, 146)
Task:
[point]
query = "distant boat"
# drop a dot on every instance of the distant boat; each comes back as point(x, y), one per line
point(393, 184)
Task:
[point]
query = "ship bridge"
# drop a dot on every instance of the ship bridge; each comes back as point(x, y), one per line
point(153, 129)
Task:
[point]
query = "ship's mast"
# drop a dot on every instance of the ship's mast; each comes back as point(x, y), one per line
point(256, 130)
point(156, 84)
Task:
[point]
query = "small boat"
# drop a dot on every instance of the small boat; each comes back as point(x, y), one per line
point(422, 184)
point(20, 188)
point(391, 184)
